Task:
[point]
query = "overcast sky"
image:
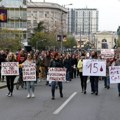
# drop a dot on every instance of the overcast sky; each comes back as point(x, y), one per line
point(109, 11)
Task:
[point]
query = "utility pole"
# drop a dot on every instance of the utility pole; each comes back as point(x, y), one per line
point(80, 37)
point(62, 13)
point(61, 32)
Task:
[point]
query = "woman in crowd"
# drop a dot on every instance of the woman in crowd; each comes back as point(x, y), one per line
point(94, 79)
point(2, 59)
point(82, 78)
point(67, 65)
point(37, 61)
point(117, 63)
point(106, 78)
point(56, 63)
point(10, 78)
point(30, 84)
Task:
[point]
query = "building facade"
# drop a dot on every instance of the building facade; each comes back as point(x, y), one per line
point(83, 21)
point(53, 15)
point(16, 16)
point(104, 40)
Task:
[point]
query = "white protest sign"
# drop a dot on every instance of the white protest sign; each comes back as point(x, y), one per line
point(9, 68)
point(29, 72)
point(94, 67)
point(107, 53)
point(56, 74)
point(114, 72)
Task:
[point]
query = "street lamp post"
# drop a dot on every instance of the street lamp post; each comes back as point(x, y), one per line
point(61, 43)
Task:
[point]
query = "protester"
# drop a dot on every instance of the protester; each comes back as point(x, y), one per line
point(94, 79)
point(117, 63)
point(21, 57)
point(106, 78)
point(67, 65)
point(82, 78)
point(47, 60)
point(42, 69)
point(56, 63)
point(37, 61)
point(2, 59)
point(10, 78)
point(74, 66)
point(30, 84)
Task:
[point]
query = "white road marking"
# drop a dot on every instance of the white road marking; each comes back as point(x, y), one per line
point(65, 103)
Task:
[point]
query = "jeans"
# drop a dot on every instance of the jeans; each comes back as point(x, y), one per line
point(53, 87)
point(106, 81)
point(68, 76)
point(30, 86)
point(74, 72)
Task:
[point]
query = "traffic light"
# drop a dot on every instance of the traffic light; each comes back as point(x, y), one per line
point(59, 38)
point(64, 37)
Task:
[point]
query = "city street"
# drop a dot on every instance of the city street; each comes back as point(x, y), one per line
point(73, 106)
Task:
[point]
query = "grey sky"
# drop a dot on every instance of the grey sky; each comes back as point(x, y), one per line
point(109, 11)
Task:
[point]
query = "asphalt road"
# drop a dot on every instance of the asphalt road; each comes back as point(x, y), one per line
point(73, 106)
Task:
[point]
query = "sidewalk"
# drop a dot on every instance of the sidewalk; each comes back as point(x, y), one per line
point(3, 84)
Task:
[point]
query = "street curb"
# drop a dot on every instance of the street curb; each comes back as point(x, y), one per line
point(4, 86)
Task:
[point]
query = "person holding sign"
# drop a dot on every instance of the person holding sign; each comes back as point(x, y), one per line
point(106, 78)
point(56, 63)
point(94, 79)
point(29, 75)
point(117, 63)
point(10, 78)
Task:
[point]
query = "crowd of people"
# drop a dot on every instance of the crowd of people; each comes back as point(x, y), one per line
point(73, 62)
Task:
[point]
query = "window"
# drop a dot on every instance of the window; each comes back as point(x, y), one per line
point(104, 44)
point(35, 23)
point(40, 14)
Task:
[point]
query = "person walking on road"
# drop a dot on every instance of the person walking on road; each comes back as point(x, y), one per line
point(117, 63)
point(82, 78)
point(56, 63)
point(30, 84)
point(94, 79)
point(10, 78)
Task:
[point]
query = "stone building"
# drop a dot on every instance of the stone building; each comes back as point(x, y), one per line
point(104, 40)
point(53, 15)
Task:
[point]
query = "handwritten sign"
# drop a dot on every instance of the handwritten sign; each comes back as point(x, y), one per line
point(107, 53)
point(29, 72)
point(94, 67)
point(114, 72)
point(56, 74)
point(9, 68)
